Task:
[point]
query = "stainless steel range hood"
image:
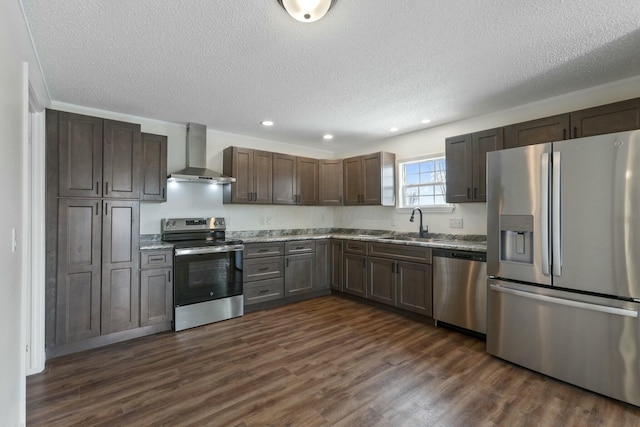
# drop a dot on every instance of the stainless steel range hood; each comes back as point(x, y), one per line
point(196, 170)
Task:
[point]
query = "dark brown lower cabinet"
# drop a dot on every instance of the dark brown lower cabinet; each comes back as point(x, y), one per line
point(336, 254)
point(382, 280)
point(355, 274)
point(322, 264)
point(299, 274)
point(97, 281)
point(156, 287)
point(415, 287)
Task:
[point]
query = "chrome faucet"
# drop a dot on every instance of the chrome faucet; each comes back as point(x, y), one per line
point(421, 229)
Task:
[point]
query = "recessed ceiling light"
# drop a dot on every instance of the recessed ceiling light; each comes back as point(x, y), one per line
point(393, 129)
point(267, 123)
point(327, 136)
point(425, 121)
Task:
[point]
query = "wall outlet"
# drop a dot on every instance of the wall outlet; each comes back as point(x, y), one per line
point(455, 222)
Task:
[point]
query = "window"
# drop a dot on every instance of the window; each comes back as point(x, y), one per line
point(423, 182)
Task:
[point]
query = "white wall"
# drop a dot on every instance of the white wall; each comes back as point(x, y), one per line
point(432, 141)
point(15, 51)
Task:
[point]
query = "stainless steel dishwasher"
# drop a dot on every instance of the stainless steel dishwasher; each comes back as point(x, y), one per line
point(460, 289)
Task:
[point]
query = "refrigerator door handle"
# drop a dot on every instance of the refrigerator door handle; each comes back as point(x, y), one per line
point(566, 302)
point(544, 213)
point(555, 215)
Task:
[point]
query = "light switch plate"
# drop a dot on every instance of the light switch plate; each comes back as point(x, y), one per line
point(455, 222)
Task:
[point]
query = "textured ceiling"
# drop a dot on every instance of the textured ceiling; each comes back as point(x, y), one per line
point(367, 66)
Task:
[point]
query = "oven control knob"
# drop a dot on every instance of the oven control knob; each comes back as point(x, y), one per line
point(211, 293)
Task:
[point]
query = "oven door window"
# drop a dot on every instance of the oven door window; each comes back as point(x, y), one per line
point(207, 277)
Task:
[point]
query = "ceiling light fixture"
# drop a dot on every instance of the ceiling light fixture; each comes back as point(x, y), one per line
point(425, 121)
point(327, 136)
point(393, 129)
point(267, 123)
point(307, 10)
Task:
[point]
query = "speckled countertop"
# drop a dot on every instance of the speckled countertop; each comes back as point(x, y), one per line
point(473, 243)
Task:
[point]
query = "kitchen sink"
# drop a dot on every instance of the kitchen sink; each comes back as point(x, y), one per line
point(414, 239)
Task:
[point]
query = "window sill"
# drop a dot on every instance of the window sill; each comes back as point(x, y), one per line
point(429, 209)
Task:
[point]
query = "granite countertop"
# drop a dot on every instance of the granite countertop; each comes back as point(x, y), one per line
point(472, 243)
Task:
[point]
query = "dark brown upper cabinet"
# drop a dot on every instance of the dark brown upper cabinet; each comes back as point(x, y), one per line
point(253, 171)
point(616, 117)
point(466, 164)
point(295, 180)
point(331, 186)
point(548, 129)
point(97, 157)
point(154, 168)
point(370, 179)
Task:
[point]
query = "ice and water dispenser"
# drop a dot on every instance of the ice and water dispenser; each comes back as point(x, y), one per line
point(516, 238)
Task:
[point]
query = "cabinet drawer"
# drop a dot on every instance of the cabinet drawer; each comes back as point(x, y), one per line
point(262, 268)
point(355, 247)
point(401, 252)
point(156, 259)
point(263, 290)
point(259, 250)
point(300, 247)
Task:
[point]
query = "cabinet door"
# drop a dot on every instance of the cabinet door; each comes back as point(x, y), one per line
point(284, 179)
point(459, 160)
point(381, 275)
point(79, 155)
point(121, 160)
point(353, 180)
point(355, 274)
point(483, 142)
point(307, 184)
point(548, 129)
point(120, 260)
point(616, 117)
point(299, 274)
point(79, 264)
point(336, 260)
point(415, 287)
point(262, 177)
point(372, 183)
point(156, 296)
point(154, 168)
point(238, 163)
point(322, 264)
point(330, 190)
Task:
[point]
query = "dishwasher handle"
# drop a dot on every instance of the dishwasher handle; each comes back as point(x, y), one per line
point(470, 256)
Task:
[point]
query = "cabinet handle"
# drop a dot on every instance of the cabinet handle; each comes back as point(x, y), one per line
point(475, 192)
point(106, 209)
point(156, 258)
point(98, 187)
point(469, 193)
point(397, 268)
point(264, 291)
point(255, 197)
point(575, 131)
point(250, 195)
point(564, 134)
point(97, 208)
point(106, 188)
point(163, 195)
point(264, 268)
point(263, 250)
point(169, 276)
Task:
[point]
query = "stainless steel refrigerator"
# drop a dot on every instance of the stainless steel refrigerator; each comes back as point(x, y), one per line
point(563, 257)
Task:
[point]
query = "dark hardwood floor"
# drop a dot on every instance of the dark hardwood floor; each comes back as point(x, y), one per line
point(322, 362)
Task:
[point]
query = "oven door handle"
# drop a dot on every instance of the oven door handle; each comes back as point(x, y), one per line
point(208, 250)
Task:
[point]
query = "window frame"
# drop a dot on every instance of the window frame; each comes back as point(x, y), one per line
point(446, 207)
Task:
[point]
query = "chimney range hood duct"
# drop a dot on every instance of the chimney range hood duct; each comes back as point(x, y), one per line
point(196, 170)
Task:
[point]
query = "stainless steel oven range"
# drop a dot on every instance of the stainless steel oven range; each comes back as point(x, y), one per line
point(207, 271)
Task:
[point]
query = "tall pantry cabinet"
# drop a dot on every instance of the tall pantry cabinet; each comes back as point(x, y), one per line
point(93, 227)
